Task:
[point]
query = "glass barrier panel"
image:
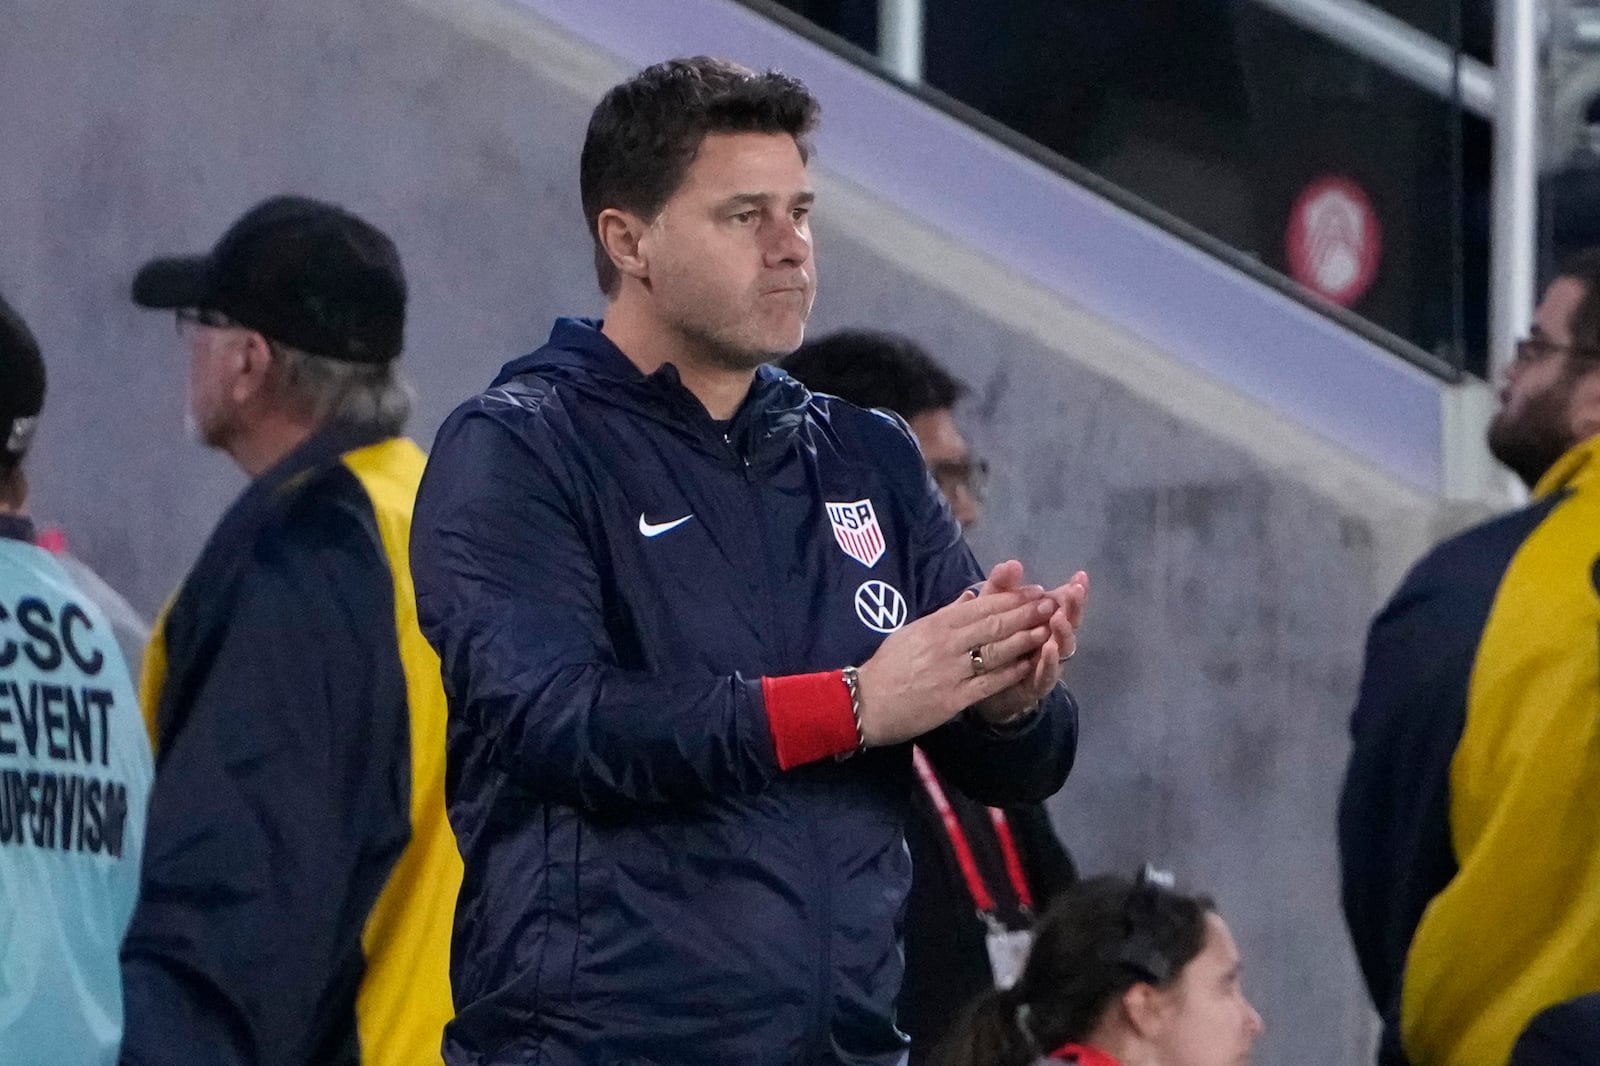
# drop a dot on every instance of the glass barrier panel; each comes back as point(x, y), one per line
point(1357, 186)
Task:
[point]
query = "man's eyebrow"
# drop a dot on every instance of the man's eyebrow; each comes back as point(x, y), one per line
point(748, 199)
point(762, 199)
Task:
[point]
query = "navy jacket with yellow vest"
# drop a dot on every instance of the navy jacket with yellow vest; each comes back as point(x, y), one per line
point(1470, 825)
point(299, 877)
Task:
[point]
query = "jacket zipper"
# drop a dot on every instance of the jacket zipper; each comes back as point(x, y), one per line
point(824, 1013)
point(824, 1040)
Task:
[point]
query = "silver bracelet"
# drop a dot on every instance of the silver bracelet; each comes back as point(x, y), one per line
point(852, 682)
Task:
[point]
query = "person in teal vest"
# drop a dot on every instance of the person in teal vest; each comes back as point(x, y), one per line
point(75, 772)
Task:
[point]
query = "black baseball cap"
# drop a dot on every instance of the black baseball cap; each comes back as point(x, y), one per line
point(299, 271)
point(21, 385)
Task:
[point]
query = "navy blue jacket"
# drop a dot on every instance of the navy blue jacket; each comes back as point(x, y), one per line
point(645, 881)
point(1567, 1034)
point(298, 881)
point(1467, 833)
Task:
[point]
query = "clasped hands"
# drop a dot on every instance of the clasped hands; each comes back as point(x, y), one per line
point(998, 649)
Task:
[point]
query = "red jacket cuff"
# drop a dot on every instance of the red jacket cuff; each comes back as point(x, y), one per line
point(809, 716)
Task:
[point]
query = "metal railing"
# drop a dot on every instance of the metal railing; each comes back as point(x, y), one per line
point(1363, 29)
point(1507, 96)
point(1398, 47)
point(900, 37)
point(1514, 237)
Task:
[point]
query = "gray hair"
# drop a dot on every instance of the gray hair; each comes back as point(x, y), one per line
point(369, 396)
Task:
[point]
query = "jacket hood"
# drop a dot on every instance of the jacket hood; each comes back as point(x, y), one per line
point(579, 356)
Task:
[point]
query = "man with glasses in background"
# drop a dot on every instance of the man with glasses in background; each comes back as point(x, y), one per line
point(891, 372)
point(980, 875)
point(300, 877)
point(1470, 846)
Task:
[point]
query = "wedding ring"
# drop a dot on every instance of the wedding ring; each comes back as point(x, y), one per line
point(976, 655)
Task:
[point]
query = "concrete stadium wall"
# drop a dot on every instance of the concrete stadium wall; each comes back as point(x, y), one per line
point(1235, 557)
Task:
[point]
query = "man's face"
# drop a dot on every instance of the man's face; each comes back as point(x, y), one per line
point(213, 366)
point(729, 256)
point(950, 462)
point(1534, 427)
point(1209, 1021)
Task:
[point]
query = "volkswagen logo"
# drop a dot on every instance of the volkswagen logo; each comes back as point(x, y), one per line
point(880, 606)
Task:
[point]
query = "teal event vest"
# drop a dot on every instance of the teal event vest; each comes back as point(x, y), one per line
point(75, 771)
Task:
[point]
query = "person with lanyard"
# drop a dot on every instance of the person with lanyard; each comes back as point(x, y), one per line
point(75, 771)
point(1122, 973)
point(1005, 942)
point(979, 874)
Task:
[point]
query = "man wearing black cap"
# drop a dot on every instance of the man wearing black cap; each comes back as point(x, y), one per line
point(74, 771)
point(300, 876)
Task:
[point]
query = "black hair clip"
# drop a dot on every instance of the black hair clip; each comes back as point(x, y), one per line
point(1139, 951)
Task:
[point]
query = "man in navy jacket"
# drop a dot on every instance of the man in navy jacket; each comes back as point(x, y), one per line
point(689, 616)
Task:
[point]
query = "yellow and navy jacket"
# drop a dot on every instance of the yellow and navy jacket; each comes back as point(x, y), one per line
point(1468, 827)
point(299, 877)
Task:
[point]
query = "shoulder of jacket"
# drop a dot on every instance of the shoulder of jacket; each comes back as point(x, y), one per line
point(327, 513)
point(1485, 548)
point(528, 393)
point(873, 427)
point(520, 406)
point(1459, 575)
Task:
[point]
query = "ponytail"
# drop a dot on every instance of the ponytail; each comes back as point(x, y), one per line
point(1100, 938)
point(991, 1033)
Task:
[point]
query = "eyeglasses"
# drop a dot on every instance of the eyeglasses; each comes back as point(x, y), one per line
point(1530, 350)
point(956, 475)
point(188, 318)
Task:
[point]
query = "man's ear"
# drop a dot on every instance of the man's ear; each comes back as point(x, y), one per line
point(623, 235)
point(253, 362)
point(1583, 406)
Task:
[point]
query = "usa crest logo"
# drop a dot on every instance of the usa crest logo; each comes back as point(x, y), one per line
point(855, 527)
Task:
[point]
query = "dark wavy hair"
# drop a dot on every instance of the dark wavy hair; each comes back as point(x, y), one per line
point(1099, 939)
point(645, 133)
point(870, 368)
point(22, 388)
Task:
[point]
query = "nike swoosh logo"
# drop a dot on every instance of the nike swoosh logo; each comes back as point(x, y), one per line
point(655, 529)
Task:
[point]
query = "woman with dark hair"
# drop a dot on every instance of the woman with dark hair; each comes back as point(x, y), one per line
point(1121, 974)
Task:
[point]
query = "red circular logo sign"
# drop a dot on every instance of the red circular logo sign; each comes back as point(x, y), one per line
point(1334, 240)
